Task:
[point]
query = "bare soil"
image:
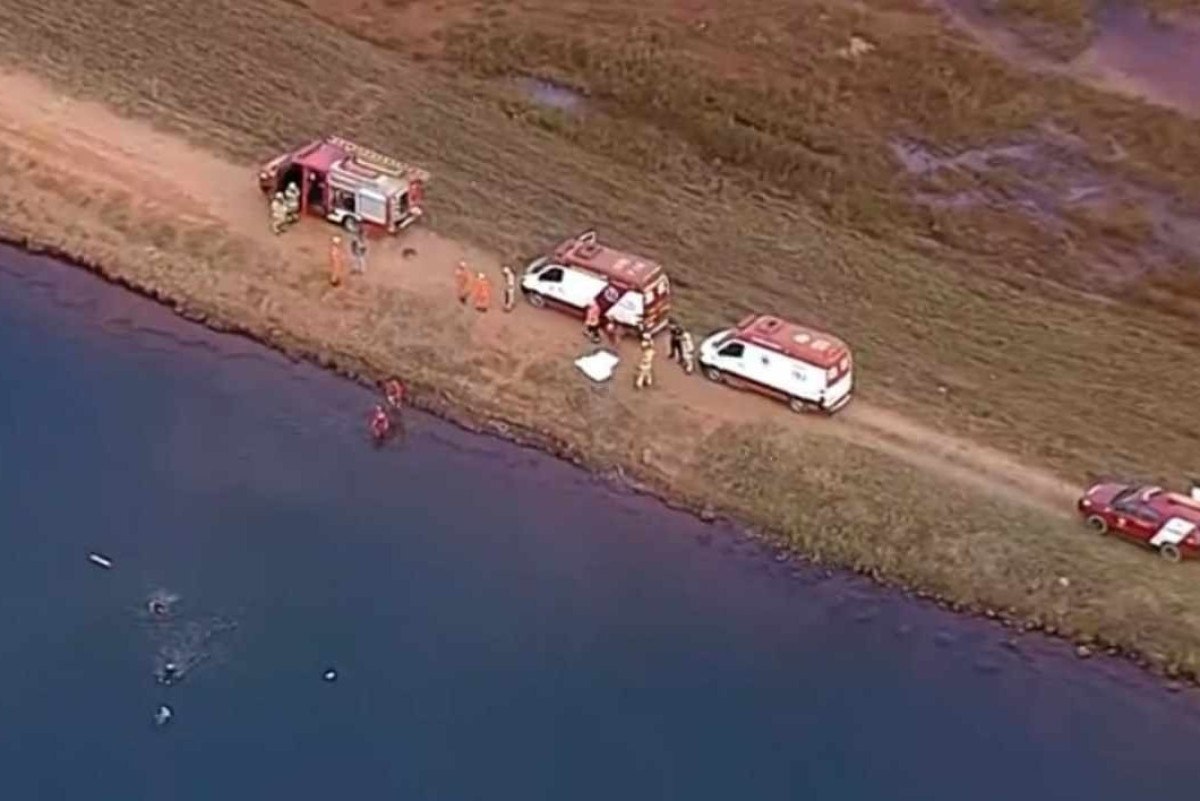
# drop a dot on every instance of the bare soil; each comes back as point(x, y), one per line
point(991, 387)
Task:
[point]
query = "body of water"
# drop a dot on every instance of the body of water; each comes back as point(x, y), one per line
point(503, 626)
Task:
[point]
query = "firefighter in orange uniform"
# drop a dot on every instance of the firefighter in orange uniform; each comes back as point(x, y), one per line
point(482, 293)
point(462, 282)
point(591, 322)
point(337, 261)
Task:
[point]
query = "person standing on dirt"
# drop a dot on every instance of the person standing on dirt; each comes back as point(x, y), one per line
point(462, 282)
point(358, 252)
point(675, 353)
point(291, 198)
point(591, 322)
point(510, 288)
point(482, 293)
point(337, 261)
point(278, 213)
point(610, 330)
point(645, 369)
point(644, 334)
point(687, 352)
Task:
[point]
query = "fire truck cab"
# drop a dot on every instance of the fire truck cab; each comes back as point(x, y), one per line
point(349, 185)
point(629, 289)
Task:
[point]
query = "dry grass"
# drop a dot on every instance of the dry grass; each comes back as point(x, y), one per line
point(1127, 222)
point(1060, 28)
point(764, 89)
point(841, 505)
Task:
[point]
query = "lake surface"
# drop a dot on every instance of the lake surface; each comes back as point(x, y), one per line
point(503, 625)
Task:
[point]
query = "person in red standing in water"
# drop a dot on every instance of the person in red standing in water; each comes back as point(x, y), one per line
point(381, 424)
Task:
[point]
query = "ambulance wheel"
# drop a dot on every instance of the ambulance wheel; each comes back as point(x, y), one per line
point(1170, 552)
point(350, 224)
point(713, 374)
point(798, 406)
point(535, 300)
point(1097, 524)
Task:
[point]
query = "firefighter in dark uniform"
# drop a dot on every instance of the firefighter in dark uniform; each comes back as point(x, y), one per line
point(675, 353)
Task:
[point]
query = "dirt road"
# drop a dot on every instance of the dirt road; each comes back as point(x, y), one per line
point(97, 146)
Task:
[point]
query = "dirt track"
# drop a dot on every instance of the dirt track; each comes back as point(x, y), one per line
point(96, 145)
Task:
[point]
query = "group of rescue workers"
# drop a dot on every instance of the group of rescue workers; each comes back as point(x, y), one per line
point(381, 424)
point(475, 288)
point(285, 212)
point(682, 352)
point(285, 208)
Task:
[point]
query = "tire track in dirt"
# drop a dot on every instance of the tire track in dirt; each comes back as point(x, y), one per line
point(87, 140)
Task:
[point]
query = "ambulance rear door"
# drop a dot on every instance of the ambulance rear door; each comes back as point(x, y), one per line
point(628, 308)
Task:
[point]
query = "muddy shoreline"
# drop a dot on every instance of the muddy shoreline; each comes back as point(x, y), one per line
point(639, 479)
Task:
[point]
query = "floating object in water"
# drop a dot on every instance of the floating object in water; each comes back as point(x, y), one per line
point(163, 715)
point(160, 603)
point(169, 674)
point(329, 675)
point(100, 561)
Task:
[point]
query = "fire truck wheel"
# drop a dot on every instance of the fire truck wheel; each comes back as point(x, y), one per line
point(535, 300)
point(798, 406)
point(1170, 552)
point(1097, 524)
point(350, 224)
point(713, 374)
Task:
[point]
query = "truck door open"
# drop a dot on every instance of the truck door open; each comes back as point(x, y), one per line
point(314, 191)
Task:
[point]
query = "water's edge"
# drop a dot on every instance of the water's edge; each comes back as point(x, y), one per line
point(633, 478)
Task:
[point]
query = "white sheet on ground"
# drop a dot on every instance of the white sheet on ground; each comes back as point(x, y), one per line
point(598, 366)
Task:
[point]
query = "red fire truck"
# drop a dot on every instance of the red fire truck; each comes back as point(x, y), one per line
point(349, 185)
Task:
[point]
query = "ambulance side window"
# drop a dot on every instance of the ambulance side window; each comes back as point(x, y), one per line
point(554, 275)
point(733, 350)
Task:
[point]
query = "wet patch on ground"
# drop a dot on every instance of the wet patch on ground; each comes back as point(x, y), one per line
point(551, 95)
point(1048, 179)
point(1114, 46)
point(1153, 57)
